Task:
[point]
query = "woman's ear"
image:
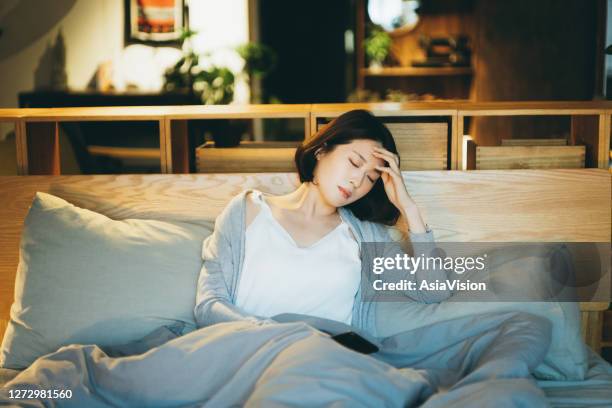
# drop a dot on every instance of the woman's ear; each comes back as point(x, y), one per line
point(320, 151)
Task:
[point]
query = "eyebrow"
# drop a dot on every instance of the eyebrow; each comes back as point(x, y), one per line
point(358, 154)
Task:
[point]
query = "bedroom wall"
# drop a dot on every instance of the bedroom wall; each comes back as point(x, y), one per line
point(93, 33)
point(90, 30)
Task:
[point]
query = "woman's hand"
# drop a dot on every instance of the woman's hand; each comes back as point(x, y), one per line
point(392, 179)
point(396, 189)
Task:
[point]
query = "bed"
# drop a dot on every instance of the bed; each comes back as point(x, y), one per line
point(483, 206)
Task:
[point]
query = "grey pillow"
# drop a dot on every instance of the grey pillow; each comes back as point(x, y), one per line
point(87, 279)
point(567, 357)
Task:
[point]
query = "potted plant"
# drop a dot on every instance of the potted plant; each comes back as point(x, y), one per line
point(215, 85)
point(180, 77)
point(211, 86)
point(259, 61)
point(377, 46)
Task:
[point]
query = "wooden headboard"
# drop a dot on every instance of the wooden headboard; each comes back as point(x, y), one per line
point(461, 206)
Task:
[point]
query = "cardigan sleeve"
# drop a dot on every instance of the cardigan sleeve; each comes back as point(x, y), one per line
point(213, 302)
point(421, 243)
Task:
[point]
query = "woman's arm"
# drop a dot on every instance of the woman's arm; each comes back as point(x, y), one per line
point(420, 236)
point(388, 247)
point(213, 302)
point(424, 243)
point(413, 217)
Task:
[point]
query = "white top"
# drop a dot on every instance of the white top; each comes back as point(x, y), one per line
point(278, 276)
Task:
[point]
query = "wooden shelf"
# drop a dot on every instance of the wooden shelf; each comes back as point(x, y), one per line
point(418, 71)
point(187, 112)
point(443, 82)
point(125, 153)
point(37, 131)
point(155, 113)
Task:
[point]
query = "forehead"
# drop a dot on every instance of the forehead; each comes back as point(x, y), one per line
point(363, 147)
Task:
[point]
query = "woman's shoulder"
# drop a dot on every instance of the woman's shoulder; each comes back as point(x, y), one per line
point(253, 200)
point(232, 213)
point(235, 202)
point(238, 204)
point(240, 199)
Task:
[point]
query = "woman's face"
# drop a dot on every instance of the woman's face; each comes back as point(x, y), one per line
point(347, 173)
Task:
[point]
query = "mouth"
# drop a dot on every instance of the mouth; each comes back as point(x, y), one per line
point(347, 194)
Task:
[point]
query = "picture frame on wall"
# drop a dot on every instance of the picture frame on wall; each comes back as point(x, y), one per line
point(154, 21)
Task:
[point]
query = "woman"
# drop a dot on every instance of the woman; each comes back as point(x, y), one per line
point(300, 252)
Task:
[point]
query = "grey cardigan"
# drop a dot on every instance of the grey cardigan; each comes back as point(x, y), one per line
point(223, 256)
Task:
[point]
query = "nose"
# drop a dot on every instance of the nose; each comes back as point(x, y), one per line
point(357, 180)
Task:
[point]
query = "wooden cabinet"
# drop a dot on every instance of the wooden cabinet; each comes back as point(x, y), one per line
point(248, 157)
point(527, 157)
point(585, 131)
point(436, 19)
point(520, 50)
point(421, 146)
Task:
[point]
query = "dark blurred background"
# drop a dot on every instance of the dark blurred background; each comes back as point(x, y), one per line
point(94, 53)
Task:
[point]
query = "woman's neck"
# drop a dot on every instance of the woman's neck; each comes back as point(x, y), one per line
point(307, 200)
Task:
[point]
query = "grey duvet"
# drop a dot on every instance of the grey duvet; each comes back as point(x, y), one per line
point(483, 360)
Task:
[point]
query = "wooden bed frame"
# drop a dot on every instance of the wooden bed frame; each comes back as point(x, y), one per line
point(477, 206)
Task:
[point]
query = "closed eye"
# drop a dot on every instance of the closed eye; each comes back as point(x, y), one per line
point(356, 165)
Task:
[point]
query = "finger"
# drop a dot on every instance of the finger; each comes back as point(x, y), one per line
point(389, 171)
point(389, 158)
point(387, 153)
point(385, 177)
point(392, 160)
point(388, 182)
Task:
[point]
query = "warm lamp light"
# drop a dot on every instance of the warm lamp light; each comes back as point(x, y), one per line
point(394, 14)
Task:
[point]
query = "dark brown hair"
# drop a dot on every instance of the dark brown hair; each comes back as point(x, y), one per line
point(356, 124)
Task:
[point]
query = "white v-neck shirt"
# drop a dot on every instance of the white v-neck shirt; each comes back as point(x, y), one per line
point(278, 276)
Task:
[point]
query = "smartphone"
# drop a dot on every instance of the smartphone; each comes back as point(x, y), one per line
point(355, 342)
